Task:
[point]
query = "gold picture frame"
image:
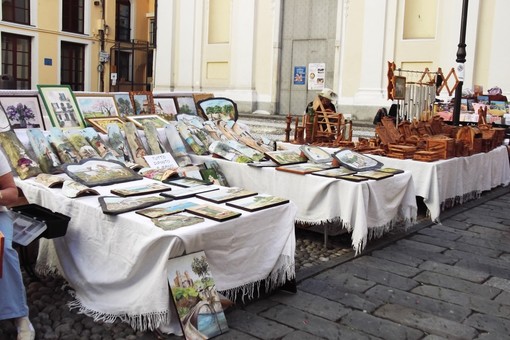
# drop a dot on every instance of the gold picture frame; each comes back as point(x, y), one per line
point(101, 123)
point(158, 121)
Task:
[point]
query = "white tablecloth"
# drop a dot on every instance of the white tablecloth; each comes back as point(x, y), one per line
point(367, 209)
point(447, 182)
point(117, 264)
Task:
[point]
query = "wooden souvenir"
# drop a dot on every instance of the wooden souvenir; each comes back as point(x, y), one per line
point(176, 221)
point(135, 144)
point(226, 194)
point(142, 189)
point(427, 156)
point(18, 156)
point(445, 145)
point(166, 209)
point(141, 120)
point(177, 147)
point(216, 108)
point(151, 135)
point(286, 157)
point(80, 144)
point(188, 192)
point(304, 168)
point(213, 212)
point(258, 202)
point(114, 205)
point(104, 150)
point(46, 157)
point(65, 150)
point(118, 142)
point(92, 172)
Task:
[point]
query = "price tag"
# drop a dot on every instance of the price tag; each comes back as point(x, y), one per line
point(161, 161)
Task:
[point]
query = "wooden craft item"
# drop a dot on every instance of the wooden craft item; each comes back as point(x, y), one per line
point(445, 145)
point(80, 143)
point(44, 153)
point(118, 142)
point(151, 135)
point(288, 120)
point(135, 144)
point(391, 129)
point(65, 150)
point(427, 156)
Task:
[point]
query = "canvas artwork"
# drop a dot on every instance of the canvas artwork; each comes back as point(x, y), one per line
point(253, 154)
point(65, 150)
point(304, 168)
point(335, 172)
point(124, 104)
point(224, 150)
point(186, 105)
point(316, 154)
point(97, 105)
point(188, 192)
point(22, 112)
point(219, 108)
point(258, 202)
point(80, 144)
point(18, 156)
point(391, 170)
point(374, 174)
point(141, 120)
point(210, 175)
point(165, 106)
point(61, 106)
point(104, 150)
point(47, 158)
point(216, 167)
point(353, 178)
point(142, 189)
point(101, 123)
point(356, 161)
point(118, 142)
point(135, 144)
point(114, 205)
point(172, 222)
point(143, 103)
point(223, 195)
point(152, 138)
point(192, 140)
point(195, 297)
point(177, 147)
point(286, 157)
point(93, 172)
point(213, 212)
point(186, 182)
point(166, 209)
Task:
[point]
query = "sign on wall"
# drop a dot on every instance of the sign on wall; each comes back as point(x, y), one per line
point(316, 76)
point(299, 75)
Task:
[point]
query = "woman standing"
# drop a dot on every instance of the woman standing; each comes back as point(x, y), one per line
point(13, 301)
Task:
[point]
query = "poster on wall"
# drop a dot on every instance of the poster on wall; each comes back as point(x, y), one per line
point(299, 75)
point(316, 76)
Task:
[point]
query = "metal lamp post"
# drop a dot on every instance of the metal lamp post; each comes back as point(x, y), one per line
point(461, 59)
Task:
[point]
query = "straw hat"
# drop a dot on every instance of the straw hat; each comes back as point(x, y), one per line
point(328, 94)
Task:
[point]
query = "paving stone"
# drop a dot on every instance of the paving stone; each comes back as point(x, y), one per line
point(459, 244)
point(498, 282)
point(338, 293)
point(379, 327)
point(492, 266)
point(470, 301)
point(503, 298)
point(489, 323)
point(255, 325)
point(380, 276)
point(462, 232)
point(503, 235)
point(313, 304)
point(383, 264)
point(492, 336)
point(233, 334)
point(460, 285)
point(441, 234)
point(420, 246)
point(311, 324)
point(398, 257)
point(456, 218)
point(426, 322)
point(505, 257)
point(428, 305)
point(433, 337)
point(258, 306)
point(455, 271)
point(339, 276)
point(486, 242)
point(487, 221)
point(424, 255)
point(301, 336)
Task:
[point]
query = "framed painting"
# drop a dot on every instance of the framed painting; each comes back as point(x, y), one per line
point(186, 182)
point(316, 154)
point(142, 101)
point(258, 202)
point(113, 205)
point(356, 161)
point(213, 212)
point(140, 120)
point(286, 157)
point(334, 173)
point(142, 189)
point(399, 87)
point(93, 172)
point(61, 106)
point(176, 221)
point(188, 192)
point(219, 109)
point(195, 297)
point(124, 104)
point(97, 105)
point(304, 168)
point(186, 105)
point(21, 112)
point(101, 123)
point(226, 194)
point(166, 209)
point(374, 174)
point(165, 106)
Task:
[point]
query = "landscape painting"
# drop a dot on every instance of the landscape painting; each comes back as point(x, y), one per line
point(97, 105)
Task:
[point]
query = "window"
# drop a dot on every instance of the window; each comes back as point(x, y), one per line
point(123, 22)
point(17, 11)
point(16, 56)
point(124, 66)
point(72, 65)
point(72, 15)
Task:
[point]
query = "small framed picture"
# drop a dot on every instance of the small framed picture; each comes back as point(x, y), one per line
point(399, 87)
point(61, 106)
point(165, 106)
point(124, 104)
point(186, 105)
point(101, 123)
point(143, 102)
point(140, 120)
point(21, 112)
point(97, 105)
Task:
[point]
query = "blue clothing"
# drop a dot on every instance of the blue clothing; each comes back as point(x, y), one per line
point(13, 301)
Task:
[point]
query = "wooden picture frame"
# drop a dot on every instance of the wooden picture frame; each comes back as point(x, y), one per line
point(286, 157)
point(186, 182)
point(140, 120)
point(124, 104)
point(334, 173)
point(226, 194)
point(142, 101)
point(114, 205)
point(97, 105)
point(257, 202)
point(218, 108)
point(176, 221)
point(165, 106)
point(61, 106)
point(399, 87)
point(304, 168)
point(193, 292)
point(188, 192)
point(101, 123)
point(213, 212)
point(374, 174)
point(166, 209)
point(21, 112)
point(142, 189)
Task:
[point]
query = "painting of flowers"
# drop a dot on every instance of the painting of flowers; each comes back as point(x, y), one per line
point(22, 112)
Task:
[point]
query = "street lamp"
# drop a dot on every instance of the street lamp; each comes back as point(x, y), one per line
point(461, 59)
